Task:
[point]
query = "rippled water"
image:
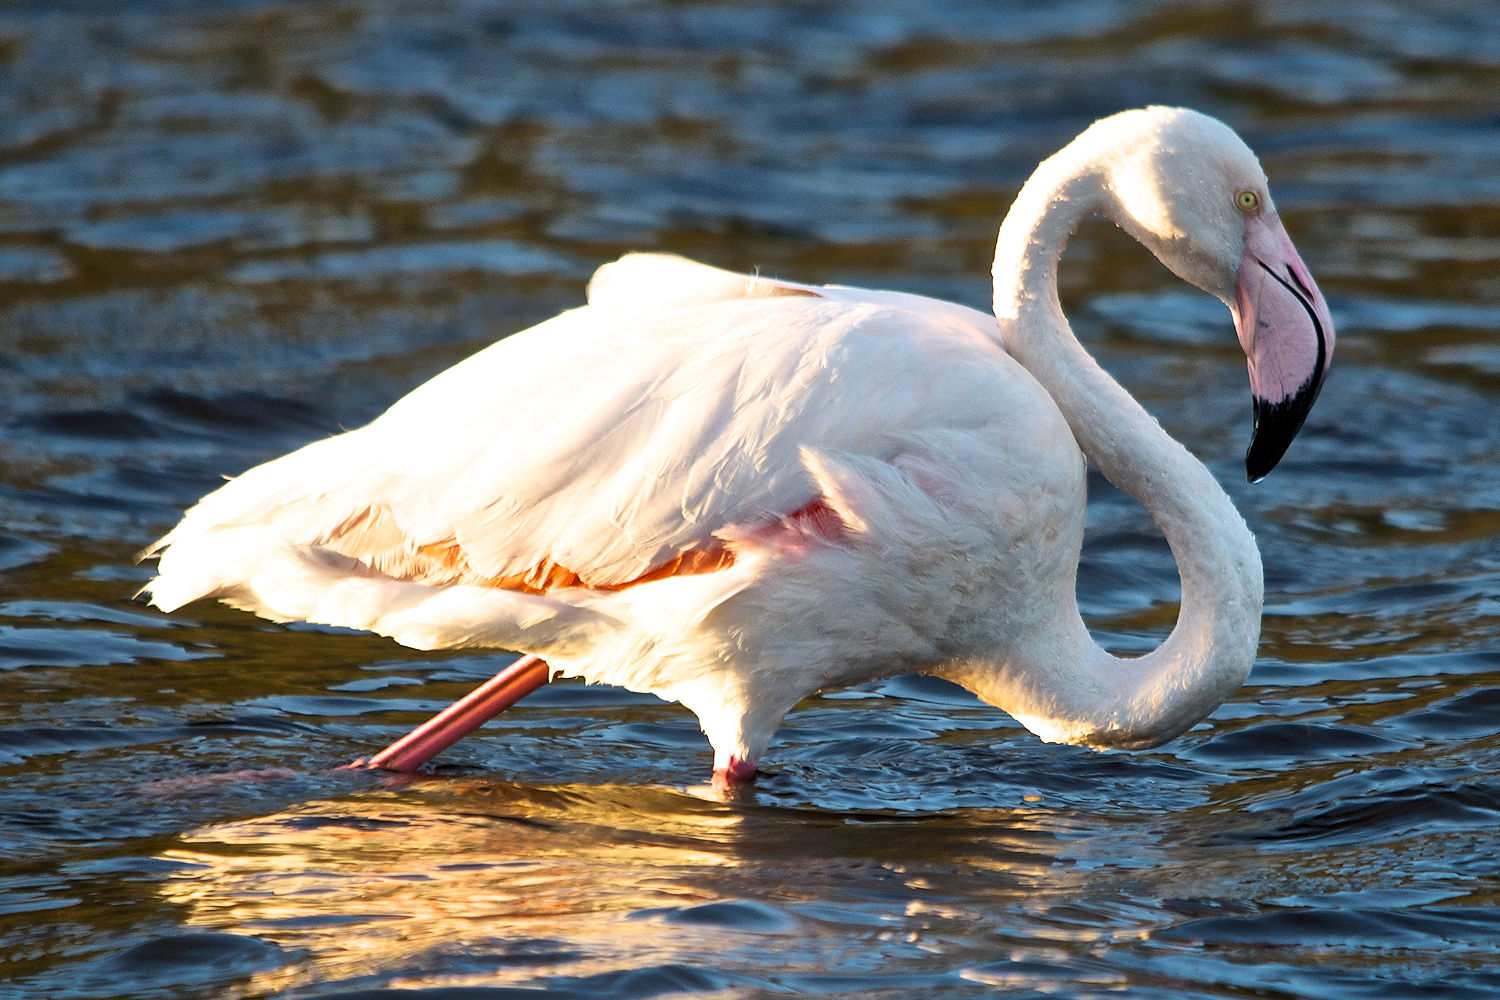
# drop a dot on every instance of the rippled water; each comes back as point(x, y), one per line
point(228, 228)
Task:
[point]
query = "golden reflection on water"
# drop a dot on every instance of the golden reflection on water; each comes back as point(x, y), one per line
point(373, 882)
point(468, 883)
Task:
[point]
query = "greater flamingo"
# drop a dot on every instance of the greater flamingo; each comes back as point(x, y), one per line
point(733, 492)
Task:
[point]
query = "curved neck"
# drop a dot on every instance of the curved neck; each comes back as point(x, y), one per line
point(1062, 685)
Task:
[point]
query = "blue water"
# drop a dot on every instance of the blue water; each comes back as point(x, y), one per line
point(229, 228)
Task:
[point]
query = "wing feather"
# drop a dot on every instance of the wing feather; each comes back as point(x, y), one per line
point(605, 443)
point(654, 280)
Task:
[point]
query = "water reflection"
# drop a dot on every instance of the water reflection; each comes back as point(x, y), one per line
point(488, 883)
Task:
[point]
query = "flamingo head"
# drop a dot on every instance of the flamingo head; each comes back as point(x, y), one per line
point(1189, 188)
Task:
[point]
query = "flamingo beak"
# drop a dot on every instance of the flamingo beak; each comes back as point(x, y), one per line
point(1287, 333)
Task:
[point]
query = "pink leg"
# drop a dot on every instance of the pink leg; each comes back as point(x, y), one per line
point(461, 718)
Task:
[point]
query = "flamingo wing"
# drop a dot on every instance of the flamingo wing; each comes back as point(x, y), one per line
point(591, 450)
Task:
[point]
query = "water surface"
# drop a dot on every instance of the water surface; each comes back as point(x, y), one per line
point(229, 228)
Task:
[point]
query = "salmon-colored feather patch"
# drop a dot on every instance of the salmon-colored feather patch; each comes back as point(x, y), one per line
point(448, 558)
point(445, 562)
point(549, 575)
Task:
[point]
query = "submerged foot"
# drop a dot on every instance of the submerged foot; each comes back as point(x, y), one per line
point(735, 774)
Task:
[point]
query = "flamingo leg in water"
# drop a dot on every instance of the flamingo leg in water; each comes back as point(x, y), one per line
point(462, 717)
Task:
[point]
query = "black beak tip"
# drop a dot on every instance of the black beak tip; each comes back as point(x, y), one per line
point(1256, 467)
point(1275, 426)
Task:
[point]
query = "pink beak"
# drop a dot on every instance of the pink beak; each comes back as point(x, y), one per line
point(1287, 334)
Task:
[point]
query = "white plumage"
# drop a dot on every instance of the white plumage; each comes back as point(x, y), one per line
point(818, 484)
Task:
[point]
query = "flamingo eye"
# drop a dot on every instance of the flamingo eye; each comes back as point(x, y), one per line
point(1248, 201)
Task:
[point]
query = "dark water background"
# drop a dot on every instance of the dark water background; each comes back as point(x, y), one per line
point(229, 228)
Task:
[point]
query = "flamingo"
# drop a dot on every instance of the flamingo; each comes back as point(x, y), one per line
point(732, 492)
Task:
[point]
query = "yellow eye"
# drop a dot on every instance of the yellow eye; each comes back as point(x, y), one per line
point(1248, 201)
